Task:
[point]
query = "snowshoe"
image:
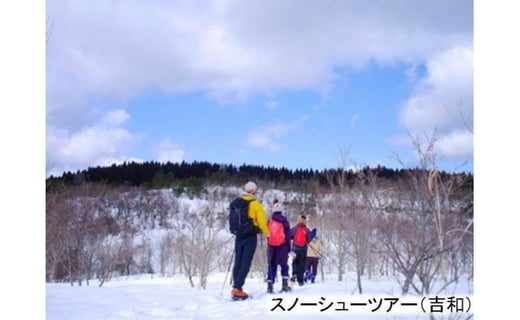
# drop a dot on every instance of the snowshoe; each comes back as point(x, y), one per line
point(234, 298)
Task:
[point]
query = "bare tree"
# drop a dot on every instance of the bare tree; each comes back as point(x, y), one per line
point(200, 239)
point(359, 234)
point(186, 258)
point(166, 248)
point(346, 222)
point(58, 216)
point(334, 209)
point(416, 232)
point(74, 229)
point(107, 259)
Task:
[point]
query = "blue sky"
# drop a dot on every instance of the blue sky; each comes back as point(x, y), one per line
point(346, 83)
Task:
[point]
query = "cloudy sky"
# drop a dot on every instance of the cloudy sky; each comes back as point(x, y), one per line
point(299, 84)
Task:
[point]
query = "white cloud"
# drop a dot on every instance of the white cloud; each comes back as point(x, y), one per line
point(456, 145)
point(263, 140)
point(234, 48)
point(115, 118)
point(443, 102)
point(168, 151)
point(99, 144)
point(270, 135)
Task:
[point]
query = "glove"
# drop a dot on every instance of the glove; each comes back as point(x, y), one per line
point(292, 255)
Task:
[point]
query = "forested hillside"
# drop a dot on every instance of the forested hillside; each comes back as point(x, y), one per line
point(195, 175)
point(165, 219)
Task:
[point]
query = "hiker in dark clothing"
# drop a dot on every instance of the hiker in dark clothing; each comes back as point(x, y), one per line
point(301, 236)
point(245, 247)
point(279, 245)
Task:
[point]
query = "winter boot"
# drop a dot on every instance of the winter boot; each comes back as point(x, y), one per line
point(269, 286)
point(306, 276)
point(285, 285)
point(238, 294)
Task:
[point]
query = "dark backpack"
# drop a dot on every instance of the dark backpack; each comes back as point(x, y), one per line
point(276, 233)
point(300, 236)
point(239, 222)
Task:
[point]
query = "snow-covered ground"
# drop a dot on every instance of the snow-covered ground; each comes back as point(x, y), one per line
point(148, 298)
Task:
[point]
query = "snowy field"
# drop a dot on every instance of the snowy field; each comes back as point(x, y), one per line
point(147, 298)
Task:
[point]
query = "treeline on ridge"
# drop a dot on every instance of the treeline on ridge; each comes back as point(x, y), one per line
point(151, 175)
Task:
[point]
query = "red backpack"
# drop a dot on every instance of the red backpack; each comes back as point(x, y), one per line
point(300, 236)
point(276, 233)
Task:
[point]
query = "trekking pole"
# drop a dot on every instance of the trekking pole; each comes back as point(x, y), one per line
point(228, 271)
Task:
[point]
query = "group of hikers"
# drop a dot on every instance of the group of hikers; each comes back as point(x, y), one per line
point(299, 242)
